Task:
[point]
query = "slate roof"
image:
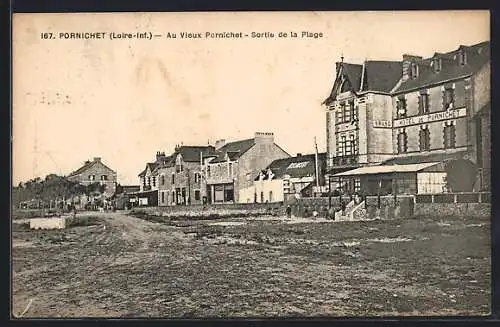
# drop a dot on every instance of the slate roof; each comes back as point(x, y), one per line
point(234, 150)
point(280, 167)
point(86, 166)
point(450, 68)
point(382, 76)
point(192, 153)
point(378, 76)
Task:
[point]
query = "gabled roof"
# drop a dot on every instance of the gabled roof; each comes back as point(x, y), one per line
point(192, 153)
point(234, 150)
point(378, 76)
point(88, 165)
point(296, 167)
point(150, 165)
point(477, 55)
point(381, 76)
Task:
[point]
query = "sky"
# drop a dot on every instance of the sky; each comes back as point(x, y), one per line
point(125, 99)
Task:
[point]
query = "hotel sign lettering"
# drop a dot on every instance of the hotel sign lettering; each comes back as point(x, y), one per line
point(444, 115)
point(382, 123)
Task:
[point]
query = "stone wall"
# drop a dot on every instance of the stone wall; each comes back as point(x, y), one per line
point(453, 209)
point(219, 210)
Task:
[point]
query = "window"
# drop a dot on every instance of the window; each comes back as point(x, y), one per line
point(197, 195)
point(230, 170)
point(154, 181)
point(423, 103)
point(144, 181)
point(347, 113)
point(179, 168)
point(437, 64)
point(162, 179)
point(208, 171)
point(342, 112)
point(339, 116)
point(448, 97)
point(249, 177)
point(449, 135)
point(162, 197)
point(104, 177)
point(353, 145)
point(357, 185)
point(424, 139)
point(262, 197)
point(270, 196)
point(462, 57)
point(402, 142)
point(354, 111)
point(173, 179)
point(196, 177)
point(349, 145)
point(414, 70)
point(341, 146)
point(401, 107)
point(149, 181)
point(92, 177)
point(173, 197)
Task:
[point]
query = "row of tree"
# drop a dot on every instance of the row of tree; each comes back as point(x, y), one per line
point(53, 188)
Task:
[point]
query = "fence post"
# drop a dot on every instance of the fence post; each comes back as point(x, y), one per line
point(432, 198)
point(455, 198)
point(480, 198)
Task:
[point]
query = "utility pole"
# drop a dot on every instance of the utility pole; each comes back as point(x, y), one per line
point(316, 162)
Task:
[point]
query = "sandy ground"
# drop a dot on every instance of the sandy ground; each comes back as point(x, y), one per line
point(122, 266)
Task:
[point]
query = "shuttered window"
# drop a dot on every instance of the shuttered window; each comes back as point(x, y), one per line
point(449, 135)
point(423, 103)
point(424, 139)
point(402, 142)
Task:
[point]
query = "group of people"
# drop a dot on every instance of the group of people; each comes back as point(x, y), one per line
point(331, 212)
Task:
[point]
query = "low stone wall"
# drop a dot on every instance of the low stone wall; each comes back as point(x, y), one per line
point(453, 209)
point(213, 211)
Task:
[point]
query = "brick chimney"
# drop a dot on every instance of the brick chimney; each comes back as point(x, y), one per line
point(407, 61)
point(97, 159)
point(264, 137)
point(299, 154)
point(219, 144)
point(159, 155)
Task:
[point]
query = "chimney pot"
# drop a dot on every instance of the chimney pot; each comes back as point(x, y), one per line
point(97, 159)
point(299, 154)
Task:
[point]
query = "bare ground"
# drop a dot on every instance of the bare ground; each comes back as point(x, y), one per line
point(122, 266)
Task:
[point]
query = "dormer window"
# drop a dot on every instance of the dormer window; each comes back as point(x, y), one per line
point(414, 70)
point(462, 57)
point(437, 64)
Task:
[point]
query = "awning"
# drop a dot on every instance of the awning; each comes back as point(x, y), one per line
point(385, 169)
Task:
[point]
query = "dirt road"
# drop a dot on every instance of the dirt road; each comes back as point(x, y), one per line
point(121, 266)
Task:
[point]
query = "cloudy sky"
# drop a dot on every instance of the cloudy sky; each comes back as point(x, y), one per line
point(123, 100)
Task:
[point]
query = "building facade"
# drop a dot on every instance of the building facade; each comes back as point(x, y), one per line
point(437, 110)
point(286, 178)
point(435, 106)
point(234, 166)
point(95, 171)
point(180, 179)
point(359, 118)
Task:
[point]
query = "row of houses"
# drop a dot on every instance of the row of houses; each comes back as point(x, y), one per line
point(418, 125)
point(227, 172)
